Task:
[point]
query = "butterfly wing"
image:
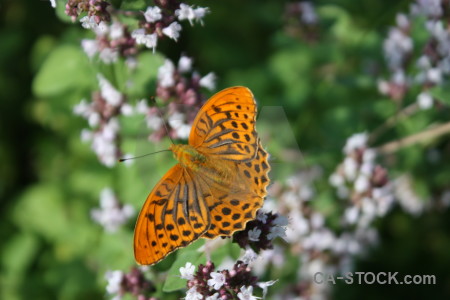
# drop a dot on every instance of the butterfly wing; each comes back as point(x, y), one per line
point(173, 216)
point(235, 202)
point(225, 126)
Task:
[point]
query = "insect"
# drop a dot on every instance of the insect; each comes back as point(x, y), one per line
point(216, 187)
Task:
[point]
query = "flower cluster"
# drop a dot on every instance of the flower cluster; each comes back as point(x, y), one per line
point(134, 282)
point(236, 283)
point(97, 11)
point(301, 20)
point(162, 20)
point(102, 115)
point(112, 41)
point(433, 63)
point(111, 214)
point(259, 233)
point(117, 39)
point(179, 87)
point(363, 182)
point(320, 247)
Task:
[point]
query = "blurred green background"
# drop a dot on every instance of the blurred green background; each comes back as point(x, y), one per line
point(50, 180)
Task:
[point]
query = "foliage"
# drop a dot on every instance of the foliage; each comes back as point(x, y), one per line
point(332, 78)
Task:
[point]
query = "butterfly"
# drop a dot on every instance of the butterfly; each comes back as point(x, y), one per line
point(216, 187)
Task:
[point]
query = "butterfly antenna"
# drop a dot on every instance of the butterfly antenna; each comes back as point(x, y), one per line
point(129, 158)
point(152, 98)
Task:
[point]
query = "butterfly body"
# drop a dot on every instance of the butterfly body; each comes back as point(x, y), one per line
point(217, 186)
point(188, 156)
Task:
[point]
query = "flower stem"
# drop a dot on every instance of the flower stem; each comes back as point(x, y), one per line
point(391, 121)
point(425, 135)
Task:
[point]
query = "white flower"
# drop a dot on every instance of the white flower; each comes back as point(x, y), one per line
point(217, 280)
point(126, 109)
point(362, 183)
point(356, 141)
point(430, 8)
point(369, 155)
point(187, 272)
point(425, 100)
point(109, 55)
point(402, 21)
point(53, 3)
point(172, 31)
point(177, 122)
point(249, 256)
point(142, 107)
point(185, 64)
point(396, 47)
point(102, 29)
point(104, 148)
point(309, 15)
point(253, 235)
point(199, 14)
point(213, 297)
point(246, 293)
point(111, 215)
point(82, 109)
point(265, 285)
point(350, 168)
point(116, 31)
point(149, 40)
point(88, 22)
point(192, 294)
point(90, 47)
point(208, 81)
point(424, 62)
point(281, 221)
point(383, 87)
point(86, 135)
point(317, 220)
point(139, 35)
point(154, 122)
point(166, 73)
point(114, 279)
point(108, 92)
point(409, 200)
point(336, 180)
point(434, 75)
point(276, 231)
point(185, 13)
point(260, 216)
point(110, 129)
point(351, 214)
point(153, 14)
point(94, 119)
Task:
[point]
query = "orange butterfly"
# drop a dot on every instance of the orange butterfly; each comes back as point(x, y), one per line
point(217, 186)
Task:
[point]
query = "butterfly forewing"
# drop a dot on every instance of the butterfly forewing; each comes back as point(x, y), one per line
point(173, 216)
point(225, 126)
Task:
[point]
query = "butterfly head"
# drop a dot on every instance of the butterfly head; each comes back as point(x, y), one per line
point(188, 156)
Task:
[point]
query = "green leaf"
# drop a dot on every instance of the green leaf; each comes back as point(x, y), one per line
point(189, 254)
point(67, 69)
point(441, 92)
point(18, 253)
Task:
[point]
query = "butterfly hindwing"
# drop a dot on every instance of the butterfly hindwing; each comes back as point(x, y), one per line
point(225, 126)
point(173, 216)
point(236, 202)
